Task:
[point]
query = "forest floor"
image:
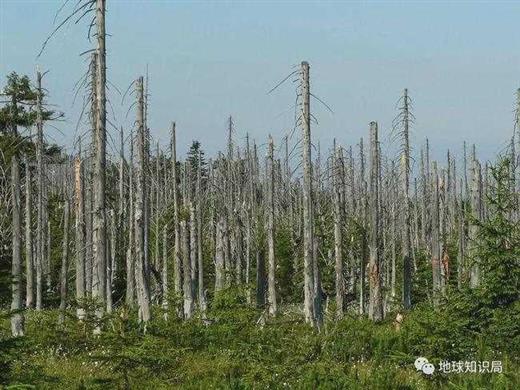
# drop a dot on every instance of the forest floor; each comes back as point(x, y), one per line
point(232, 350)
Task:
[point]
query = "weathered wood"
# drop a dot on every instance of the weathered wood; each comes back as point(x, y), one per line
point(375, 307)
point(271, 283)
point(143, 292)
point(17, 316)
point(29, 263)
point(338, 229)
point(99, 254)
point(79, 207)
point(64, 262)
point(308, 214)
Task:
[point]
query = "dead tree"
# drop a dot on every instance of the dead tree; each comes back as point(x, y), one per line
point(99, 253)
point(80, 234)
point(271, 283)
point(143, 292)
point(17, 317)
point(39, 188)
point(308, 206)
point(29, 265)
point(130, 259)
point(338, 228)
point(64, 262)
point(405, 117)
point(436, 246)
point(186, 270)
point(476, 214)
point(375, 308)
point(201, 291)
point(176, 249)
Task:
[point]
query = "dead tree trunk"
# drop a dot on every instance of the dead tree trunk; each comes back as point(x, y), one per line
point(176, 249)
point(405, 225)
point(201, 291)
point(111, 259)
point(40, 175)
point(164, 273)
point(308, 214)
point(29, 266)
point(338, 229)
point(271, 282)
point(64, 263)
point(186, 270)
point(219, 256)
point(17, 317)
point(435, 237)
point(476, 208)
point(80, 235)
point(364, 223)
point(143, 292)
point(375, 309)
point(130, 259)
point(99, 212)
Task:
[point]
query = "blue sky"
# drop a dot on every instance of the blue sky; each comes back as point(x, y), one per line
point(207, 60)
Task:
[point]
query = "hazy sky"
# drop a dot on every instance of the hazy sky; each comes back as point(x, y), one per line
point(207, 60)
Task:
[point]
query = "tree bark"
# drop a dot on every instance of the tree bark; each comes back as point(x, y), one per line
point(17, 317)
point(375, 308)
point(308, 214)
point(29, 266)
point(271, 286)
point(80, 236)
point(64, 263)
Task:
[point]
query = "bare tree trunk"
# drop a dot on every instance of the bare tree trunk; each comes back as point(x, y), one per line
point(40, 174)
point(99, 212)
point(308, 214)
point(130, 259)
point(201, 291)
point(476, 206)
point(271, 285)
point(29, 266)
point(435, 237)
point(219, 256)
point(80, 235)
point(176, 249)
point(143, 292)
point(186, 270)
point(193, 250)
point(111, 259)
point(364, 220)
point(64, 263)
point(375, 309)
point(461, 255)
point(164, 274)
point(405, 225)
point(17, 317)
point(338, 230)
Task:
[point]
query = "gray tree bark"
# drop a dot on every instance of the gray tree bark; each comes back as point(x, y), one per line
point(271, 285)
point(64, 263)
point(29, 266)
point(375, 308)
point(17, 317)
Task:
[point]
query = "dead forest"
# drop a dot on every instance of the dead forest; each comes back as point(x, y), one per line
point(295, 228)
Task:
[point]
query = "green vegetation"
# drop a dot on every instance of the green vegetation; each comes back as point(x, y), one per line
point(230, 350)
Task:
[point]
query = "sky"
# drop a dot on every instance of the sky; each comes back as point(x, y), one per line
point(207, 60)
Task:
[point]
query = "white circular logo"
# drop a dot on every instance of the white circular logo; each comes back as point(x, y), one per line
point(422, 364)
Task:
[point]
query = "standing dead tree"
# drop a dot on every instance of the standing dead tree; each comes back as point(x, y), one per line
point(375, 308)
point(17, 317)
point(271, 285)
point(143, 292)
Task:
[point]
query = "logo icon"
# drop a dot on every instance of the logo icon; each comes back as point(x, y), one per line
point(422, 364)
